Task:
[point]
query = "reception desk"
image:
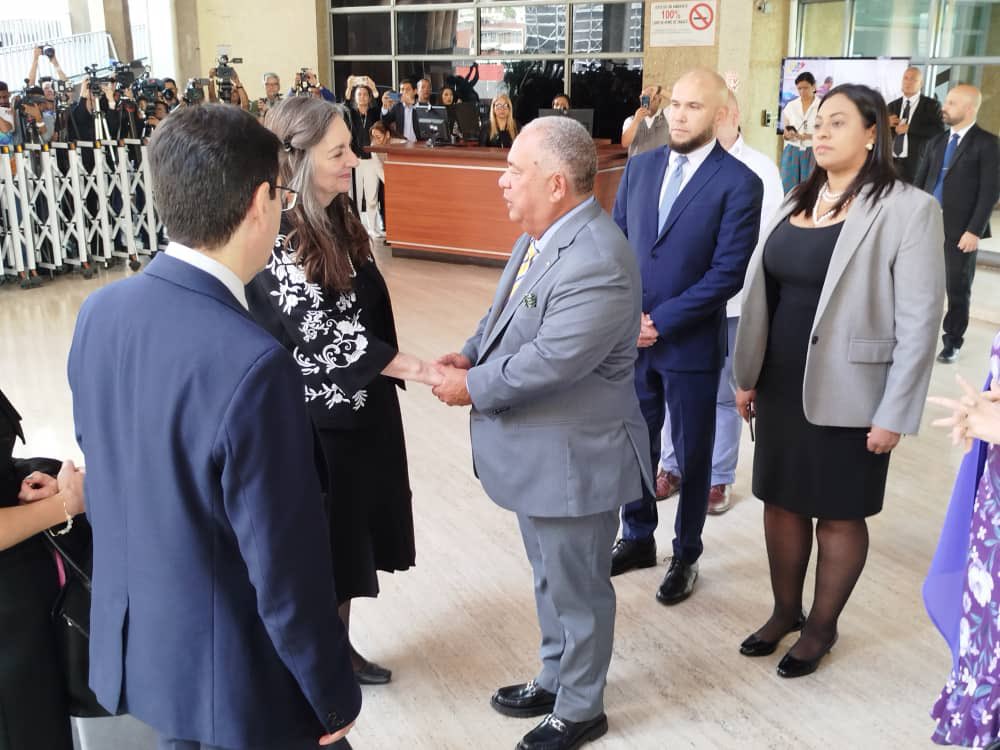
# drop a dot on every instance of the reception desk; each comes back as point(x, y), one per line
point(444, 202)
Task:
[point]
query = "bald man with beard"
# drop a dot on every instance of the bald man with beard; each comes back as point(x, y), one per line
point(960, 168)
point(691, 212)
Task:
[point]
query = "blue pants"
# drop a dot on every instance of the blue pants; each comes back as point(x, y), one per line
point(690, 398)
point(728, 425)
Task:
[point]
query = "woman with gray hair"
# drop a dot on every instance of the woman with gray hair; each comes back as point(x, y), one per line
point(322, 296)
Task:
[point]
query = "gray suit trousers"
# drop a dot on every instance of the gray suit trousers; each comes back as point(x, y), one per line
point(571, 562)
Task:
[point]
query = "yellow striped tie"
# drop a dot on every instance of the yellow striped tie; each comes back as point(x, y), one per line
point(523, 270)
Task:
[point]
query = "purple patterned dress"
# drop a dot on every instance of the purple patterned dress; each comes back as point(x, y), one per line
point(968, 711)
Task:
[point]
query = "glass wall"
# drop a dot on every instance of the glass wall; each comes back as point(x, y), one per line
point(488, 47)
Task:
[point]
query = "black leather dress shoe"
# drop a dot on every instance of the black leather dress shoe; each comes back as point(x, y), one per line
point(558, 734)
point(948, 355)
point(754, 646)
point(678, 583)
point(632, 554)
point(789, 666)
point(371, 673)
point(524, 700)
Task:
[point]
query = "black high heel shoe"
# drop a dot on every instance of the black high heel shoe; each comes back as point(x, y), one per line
point(789, 666)
point(754, 646)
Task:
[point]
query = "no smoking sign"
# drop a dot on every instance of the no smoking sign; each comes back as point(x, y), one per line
point(683, 23)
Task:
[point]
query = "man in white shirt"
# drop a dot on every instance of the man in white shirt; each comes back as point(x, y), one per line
point(915, 119)
point(402, 120)
point(647, 128)
point(725, 454)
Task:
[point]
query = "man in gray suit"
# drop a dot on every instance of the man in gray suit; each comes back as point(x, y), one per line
point(557, 435)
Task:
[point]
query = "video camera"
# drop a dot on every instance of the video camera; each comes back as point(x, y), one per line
point(224, 73)
point(95, 81)
point(47, 50)
point(303, 87)
point(195, 92)
point(30, 95)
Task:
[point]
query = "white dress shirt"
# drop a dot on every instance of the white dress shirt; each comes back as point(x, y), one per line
point(212, 267)
point(649, 120)
point(803, 122)
point(694, 160)
point(774, 194)
point(914, 101)
point(961, 133)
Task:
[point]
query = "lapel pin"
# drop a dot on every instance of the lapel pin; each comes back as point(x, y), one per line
point(530, 300)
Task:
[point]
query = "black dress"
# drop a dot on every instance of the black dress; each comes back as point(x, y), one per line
point(502, 139)
point(812, 470)
point(341, 342)
point(34, 711)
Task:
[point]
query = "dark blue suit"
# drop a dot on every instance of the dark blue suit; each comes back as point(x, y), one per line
point(214, 615)
point(689, 271)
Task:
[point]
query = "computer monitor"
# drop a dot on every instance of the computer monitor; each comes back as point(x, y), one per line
point(432, 123)
point(583, 116)
point(467, 116)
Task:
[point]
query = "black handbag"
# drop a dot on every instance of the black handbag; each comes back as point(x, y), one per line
point(71, 609)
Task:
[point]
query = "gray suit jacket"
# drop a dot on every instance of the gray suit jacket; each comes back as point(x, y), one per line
point(872, 343)
point(556, 426)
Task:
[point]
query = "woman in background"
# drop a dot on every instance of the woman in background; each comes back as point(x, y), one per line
point(798, 120)
point(364, 114)
point(502, 129)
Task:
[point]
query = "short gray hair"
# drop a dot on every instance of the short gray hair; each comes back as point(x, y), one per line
point(275, 76)
point(568, 143)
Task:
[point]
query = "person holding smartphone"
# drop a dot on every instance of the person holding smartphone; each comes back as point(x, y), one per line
point(798, 120)
point(647, 128)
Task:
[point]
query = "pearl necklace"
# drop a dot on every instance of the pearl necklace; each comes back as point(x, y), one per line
point(826, 195)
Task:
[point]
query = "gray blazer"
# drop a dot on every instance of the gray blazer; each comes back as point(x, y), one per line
point(872, 343)
point(556, 426)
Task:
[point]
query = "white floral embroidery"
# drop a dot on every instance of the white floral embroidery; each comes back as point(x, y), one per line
point(343, 341)
point(980, 583)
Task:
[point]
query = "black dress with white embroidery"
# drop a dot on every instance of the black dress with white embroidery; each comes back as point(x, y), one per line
point(342, 341)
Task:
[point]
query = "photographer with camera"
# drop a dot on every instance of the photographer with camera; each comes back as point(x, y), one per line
point(307, 84)
point(224, 79)
point(7, 132)
point(50, 53)
point(171, 96)
point(272, 96)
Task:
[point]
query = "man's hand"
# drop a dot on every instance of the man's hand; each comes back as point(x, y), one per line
point(902, 128)
point(454, 360)
point(893, 121)
point(452, 390)
point(37, 486)
point(641, 114)
point(745, 403)
point(881, 440)
point(33, 112)
point(329, 739)
point(647, 332)
point(968, 242)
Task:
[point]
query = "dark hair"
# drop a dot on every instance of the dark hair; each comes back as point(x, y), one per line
point(3, 86)
point(169, 80)
point(207, 162)
point(562, 96)
point(877, 172)
point(807, 76)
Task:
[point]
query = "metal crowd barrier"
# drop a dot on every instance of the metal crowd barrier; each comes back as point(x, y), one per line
point(58, 214)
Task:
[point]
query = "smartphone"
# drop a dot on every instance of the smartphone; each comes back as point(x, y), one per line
point(394, 96)
point(644, 101)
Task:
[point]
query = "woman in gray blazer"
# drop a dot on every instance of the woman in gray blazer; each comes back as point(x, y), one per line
point(833, 355)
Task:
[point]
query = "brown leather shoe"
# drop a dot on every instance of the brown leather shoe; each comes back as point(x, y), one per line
point(719, 499)
point(668, 484)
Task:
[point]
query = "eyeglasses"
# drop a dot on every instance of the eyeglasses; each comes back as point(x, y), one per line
point(501, 105)
point(289, 197)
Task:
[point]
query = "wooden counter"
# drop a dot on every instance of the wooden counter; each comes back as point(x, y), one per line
point(444, 202)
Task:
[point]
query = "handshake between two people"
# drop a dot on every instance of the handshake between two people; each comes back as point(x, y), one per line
point(445, 375)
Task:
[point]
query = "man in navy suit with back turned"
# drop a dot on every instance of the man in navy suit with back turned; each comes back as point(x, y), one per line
point(691, 212)
point(214, 616)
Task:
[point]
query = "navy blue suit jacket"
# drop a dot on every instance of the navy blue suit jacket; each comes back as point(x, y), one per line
point(214, 615)
point(691, 269)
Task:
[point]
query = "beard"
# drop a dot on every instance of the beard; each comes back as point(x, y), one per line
point(693, 143)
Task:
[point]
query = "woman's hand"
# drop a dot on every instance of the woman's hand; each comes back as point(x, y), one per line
point(745, 403)
point(881, 440)
point(975, 415)
point(37, 486)
point(71, 488)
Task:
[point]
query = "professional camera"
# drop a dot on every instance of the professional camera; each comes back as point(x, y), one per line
point(96, 81)
point(123, 75)
point(224, 76)
point(195, 92)
point(30, 95)
point(148, 88)
point(47, 50)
